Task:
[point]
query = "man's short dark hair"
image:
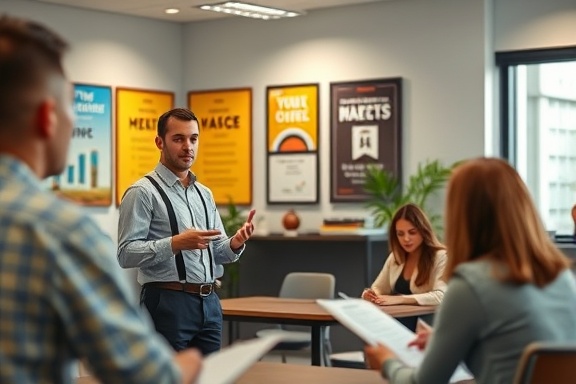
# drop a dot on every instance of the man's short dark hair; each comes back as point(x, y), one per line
point(182, 114)
point(29, 52)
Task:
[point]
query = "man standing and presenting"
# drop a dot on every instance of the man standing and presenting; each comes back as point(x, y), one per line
point(178, 257)
point(62, 297)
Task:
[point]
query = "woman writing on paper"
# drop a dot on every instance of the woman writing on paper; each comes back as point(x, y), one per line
point(508, 284)
point(413, 272)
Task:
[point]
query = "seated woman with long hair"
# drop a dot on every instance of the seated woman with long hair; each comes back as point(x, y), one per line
point(413, 272)
point(508, 284)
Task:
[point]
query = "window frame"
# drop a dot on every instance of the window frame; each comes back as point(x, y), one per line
point(506, 61)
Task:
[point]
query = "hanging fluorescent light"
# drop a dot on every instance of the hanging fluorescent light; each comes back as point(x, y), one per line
point(237, 8)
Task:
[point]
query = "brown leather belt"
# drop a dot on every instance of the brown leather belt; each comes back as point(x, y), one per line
point(204, 289)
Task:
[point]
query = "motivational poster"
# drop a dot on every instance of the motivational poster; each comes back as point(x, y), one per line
point(292, 144)
point(224, 161)
point(87, 176)
point(365, 131)
point(137, 113)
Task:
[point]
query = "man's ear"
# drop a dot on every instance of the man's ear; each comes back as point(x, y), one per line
point(46, 120)
point(159, 142)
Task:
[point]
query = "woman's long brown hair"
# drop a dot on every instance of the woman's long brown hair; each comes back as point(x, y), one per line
point(430, 243)
point(489, 212)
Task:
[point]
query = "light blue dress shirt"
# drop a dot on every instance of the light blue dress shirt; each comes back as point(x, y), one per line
point(145, 237)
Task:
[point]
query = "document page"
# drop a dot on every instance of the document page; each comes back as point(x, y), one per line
point(226, 366)
point(374, 326)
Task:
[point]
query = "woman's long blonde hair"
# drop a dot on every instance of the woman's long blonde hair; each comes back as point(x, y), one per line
point(489, 212)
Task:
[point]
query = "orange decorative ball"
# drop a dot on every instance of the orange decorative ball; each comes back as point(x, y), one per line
point(291, 221)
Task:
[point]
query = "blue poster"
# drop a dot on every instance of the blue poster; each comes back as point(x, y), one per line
point(87, 178)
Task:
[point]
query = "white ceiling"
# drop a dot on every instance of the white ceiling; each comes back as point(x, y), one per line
point(188, 8)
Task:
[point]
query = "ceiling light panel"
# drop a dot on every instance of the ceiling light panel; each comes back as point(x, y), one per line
point(237, 8)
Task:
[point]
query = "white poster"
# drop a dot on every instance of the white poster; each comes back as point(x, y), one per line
point(293, 178)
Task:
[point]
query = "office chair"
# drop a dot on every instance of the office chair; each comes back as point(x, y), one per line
point(303, 285)
point(545, 363)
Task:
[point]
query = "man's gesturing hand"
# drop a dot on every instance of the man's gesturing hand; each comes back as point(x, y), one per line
point(193, 239)
point(244, 232)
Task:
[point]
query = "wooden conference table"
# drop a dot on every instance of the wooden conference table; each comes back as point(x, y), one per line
point(263, 309)
point(277, 373)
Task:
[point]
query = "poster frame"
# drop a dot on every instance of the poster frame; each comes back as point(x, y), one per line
point(394, 146)
point(245, 92)
point(269, 154)
point(53, 180)
point(142, 91)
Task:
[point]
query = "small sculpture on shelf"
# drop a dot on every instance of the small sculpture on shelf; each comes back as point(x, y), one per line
point(290, 222)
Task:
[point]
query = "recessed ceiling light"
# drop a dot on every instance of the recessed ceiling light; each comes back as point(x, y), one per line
point(249, 10)
point(171, 11)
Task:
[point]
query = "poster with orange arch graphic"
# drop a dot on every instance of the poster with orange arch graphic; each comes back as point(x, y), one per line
point(292, 144)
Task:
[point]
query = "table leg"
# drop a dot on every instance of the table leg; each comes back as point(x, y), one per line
point(231, 332)
point(316, 347)
point(368, 276)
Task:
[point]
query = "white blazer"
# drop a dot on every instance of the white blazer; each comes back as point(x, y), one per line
point(430, 293)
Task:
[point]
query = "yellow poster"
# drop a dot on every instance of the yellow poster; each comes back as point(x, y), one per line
point(137, 113)
point(292, 143)
point(224, 162)
point(293, 118)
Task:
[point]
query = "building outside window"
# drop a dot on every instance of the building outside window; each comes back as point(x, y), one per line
point(539, 128)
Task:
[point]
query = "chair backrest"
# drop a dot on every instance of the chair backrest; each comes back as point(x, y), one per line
point(308, 285)
point(545, 363)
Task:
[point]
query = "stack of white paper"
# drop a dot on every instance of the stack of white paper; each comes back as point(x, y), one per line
point(375, 326)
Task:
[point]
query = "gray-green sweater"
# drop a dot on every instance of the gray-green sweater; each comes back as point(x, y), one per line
point(487, 324)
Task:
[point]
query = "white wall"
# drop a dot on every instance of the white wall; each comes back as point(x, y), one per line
point(437, 47)
point(530, 24)
point(442, 48)
point(113, 50)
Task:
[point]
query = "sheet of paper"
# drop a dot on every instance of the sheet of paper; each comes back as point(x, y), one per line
point(226, 366)
point(374, 326)
point(421, 326)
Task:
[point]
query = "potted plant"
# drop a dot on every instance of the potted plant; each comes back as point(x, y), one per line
point(386, 193)
point(232, 219)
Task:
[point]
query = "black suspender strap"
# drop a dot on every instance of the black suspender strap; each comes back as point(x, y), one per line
point(207, 228)
point(173, 226)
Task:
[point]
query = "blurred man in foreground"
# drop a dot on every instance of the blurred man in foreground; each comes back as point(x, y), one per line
point(62, 295)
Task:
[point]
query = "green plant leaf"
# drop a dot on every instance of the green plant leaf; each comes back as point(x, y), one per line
point(232, 219)
point(386, 194)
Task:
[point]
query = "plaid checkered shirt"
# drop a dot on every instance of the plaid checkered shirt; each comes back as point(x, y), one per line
point(63, 295)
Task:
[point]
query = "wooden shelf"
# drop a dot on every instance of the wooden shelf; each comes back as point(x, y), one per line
point(317, 237)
